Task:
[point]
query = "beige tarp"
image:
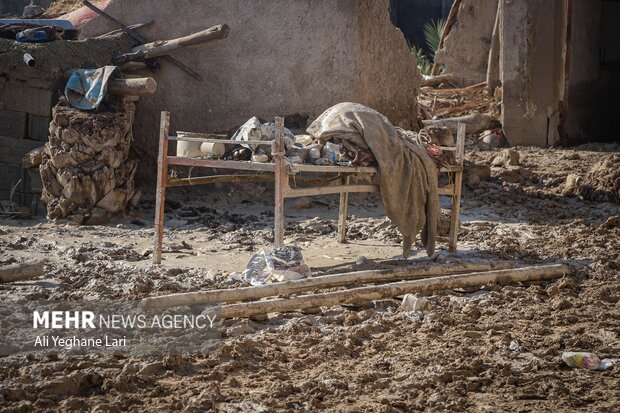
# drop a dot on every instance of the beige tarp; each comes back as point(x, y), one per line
point(407, 174)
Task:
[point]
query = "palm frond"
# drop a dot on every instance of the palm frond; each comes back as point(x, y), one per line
point(433, 30)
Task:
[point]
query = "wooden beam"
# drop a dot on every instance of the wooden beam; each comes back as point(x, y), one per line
point(135, 87)
point(378, 292)
point(21, 271)
point(493, 61)
point(343, 210)
point(160, 197)
point(281, 182)
point(326, 281)
point(164, 47)
point(476, 123)
point(436, 80)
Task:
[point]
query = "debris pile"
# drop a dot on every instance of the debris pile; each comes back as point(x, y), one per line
point(87, 176)
point(602, 183)
point(450, 102)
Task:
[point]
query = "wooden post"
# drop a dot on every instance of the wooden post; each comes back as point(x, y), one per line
point(493, 62)
point(343, 210)
point(21, 271)
point(213, 297)
point(455, 214)
point(162, 176)
point(277, 149)
point(378, 292)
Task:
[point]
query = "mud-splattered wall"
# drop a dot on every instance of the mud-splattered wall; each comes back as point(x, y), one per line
point(281, 58)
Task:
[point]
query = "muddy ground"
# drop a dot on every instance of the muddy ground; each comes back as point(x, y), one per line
point(494, 349)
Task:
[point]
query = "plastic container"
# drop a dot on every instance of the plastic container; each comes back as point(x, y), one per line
point(332, 152)
point(188, 149)
point(586, 360)
point(213, 150)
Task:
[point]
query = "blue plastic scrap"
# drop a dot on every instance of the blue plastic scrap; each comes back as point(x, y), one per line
point(87, 88)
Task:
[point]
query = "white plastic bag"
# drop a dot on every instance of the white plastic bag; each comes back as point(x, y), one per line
point(282, 264)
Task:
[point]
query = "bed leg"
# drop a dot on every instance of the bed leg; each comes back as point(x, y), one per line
point(455, 216)
point(162, 176)
point(277, 148)
point(343, 211)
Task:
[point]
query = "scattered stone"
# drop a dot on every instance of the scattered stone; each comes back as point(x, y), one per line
point(514, 174)
point(571, 186)
point(361, 260)
point(472, 181)
point(302, 203)
point(483, 172)
point(508, 157)
point(413, 303)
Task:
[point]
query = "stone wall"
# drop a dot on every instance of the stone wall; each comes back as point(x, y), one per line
point(291, 58)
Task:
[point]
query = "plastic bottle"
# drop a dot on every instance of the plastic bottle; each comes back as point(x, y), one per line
point(587, 360)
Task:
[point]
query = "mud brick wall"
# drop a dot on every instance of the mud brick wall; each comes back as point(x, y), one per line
point(27, 95)
point(25, 114)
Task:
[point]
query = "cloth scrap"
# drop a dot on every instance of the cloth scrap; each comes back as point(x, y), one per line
point(407, 174)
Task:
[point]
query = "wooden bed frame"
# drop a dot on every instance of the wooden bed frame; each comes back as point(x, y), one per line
point(281, 173)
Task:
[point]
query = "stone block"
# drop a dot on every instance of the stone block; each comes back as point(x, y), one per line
point(13, 124)
point(27, 99)
point(38, 127)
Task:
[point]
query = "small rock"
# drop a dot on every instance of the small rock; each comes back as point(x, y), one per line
point(483, 172)
point(472, 181)
point(571, 186)
point(302, 203)
point(514, 174)
point(151, 369)
point(411, 302)
point(508, 157)
point(514, 345)
point(361, 260)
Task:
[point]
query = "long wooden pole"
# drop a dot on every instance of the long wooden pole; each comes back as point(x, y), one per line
point(454, 11)
point(135, 87)
point(280, 180)
point(162, 173)
point(493, 62)
point(21, 271)
point(377, 292)
point(325, 281)
point(164, 47)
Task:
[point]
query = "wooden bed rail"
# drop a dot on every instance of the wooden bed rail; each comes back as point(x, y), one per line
point(280, 172)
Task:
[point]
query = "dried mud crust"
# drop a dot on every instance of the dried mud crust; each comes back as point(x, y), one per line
point(494, 349)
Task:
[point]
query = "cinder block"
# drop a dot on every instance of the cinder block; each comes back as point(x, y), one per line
point(38, 128)
point(13, 124)
point(28, 99)
point(12, 150)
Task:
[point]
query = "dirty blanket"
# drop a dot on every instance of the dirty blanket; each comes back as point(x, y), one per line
point(407, 174)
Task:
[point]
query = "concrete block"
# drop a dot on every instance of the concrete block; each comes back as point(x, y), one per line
point(13, 124)
point(12, 150)
point(38, 128)
point(28, 99)
point(10, 175)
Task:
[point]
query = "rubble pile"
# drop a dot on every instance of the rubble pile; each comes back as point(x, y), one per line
point(453, 102)
point(602, 183)
point(87, 176)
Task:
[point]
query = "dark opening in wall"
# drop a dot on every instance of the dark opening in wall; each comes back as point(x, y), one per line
point(410, 16)
point(594, 75)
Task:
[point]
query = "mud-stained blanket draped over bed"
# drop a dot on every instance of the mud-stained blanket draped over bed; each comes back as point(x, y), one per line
point(407, 174)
